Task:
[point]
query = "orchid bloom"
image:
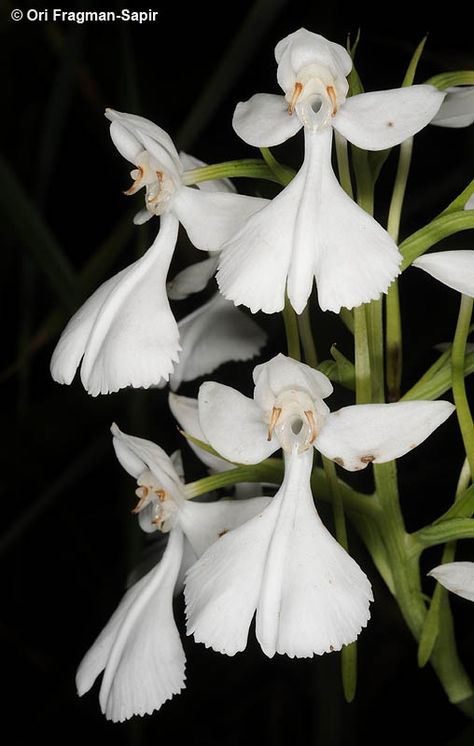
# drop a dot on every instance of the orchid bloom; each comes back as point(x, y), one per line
point(457, 109)
point(312, 229)
point(457, 577)
point(139, 650)
point(453, 268)
point(125, 333)
point(308, 594)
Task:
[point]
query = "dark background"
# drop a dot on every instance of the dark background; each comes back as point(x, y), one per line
point(68, 540)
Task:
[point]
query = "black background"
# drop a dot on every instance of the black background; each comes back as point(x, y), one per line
point(68, 540)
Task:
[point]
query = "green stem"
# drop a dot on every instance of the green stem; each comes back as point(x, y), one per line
point(459, 387)
point(307, 339)
point(407, 586)
point(282, 174)
point(362, 357)
point(291, 331)
point(393, 316)
point(343, 164)
point(252, 168)
point(374, 316)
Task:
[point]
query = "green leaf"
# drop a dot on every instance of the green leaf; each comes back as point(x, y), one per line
point(430, 631)
point(460, 201)
point(438, 379)
point(439, 228)
point(349, 670)
point(370, 534)
point(35, 236)
point(450, 530)
point(446, 80)
point(411, 70)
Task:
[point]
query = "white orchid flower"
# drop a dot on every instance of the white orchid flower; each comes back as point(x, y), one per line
point(453, 268)
point(457, 577)
point(312, 229)
point(139, 650)
point(309, 596)
point(125, 333)
point(457, 109)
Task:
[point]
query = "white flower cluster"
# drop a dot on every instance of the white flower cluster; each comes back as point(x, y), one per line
point(271, 558)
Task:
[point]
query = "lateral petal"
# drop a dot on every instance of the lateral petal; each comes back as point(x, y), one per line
point(214, 334)
point(204, 523)
point(233, 424)
point(264, 121)
point(211, 218)
point(185, 410)
point(192, 279)
point(457, 577)
point(356, 436)
point(454, 268)
point(382, 119)
point(457, 109)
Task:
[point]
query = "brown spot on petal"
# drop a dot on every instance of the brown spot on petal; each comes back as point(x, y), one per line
point(390, 124)
point(339, 461)
point(331, 649)
point(224, 531)
point(367, 459)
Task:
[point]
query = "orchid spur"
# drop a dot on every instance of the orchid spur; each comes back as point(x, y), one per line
point(312, 229)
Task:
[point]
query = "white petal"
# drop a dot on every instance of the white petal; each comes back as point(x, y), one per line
point(364, 433)
point(189, 163)
point(152, 138)
point(211, 218)
point(457, 109)
point(137, 455)
point(381, 119)
point(312, 228)
point(454, 268)
point(457, 577)
point(355, 260)
point(214, 334)
point(314, 598)
point(126, 144)
point(204, 523)
point(185, 411)
point(126, 330)
point(222, 588)
point(254, 263)
point(192, 279)
point(233, 424)
point(303, 48)
point(264, 121)
point(280, 373)
point(139, 649)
